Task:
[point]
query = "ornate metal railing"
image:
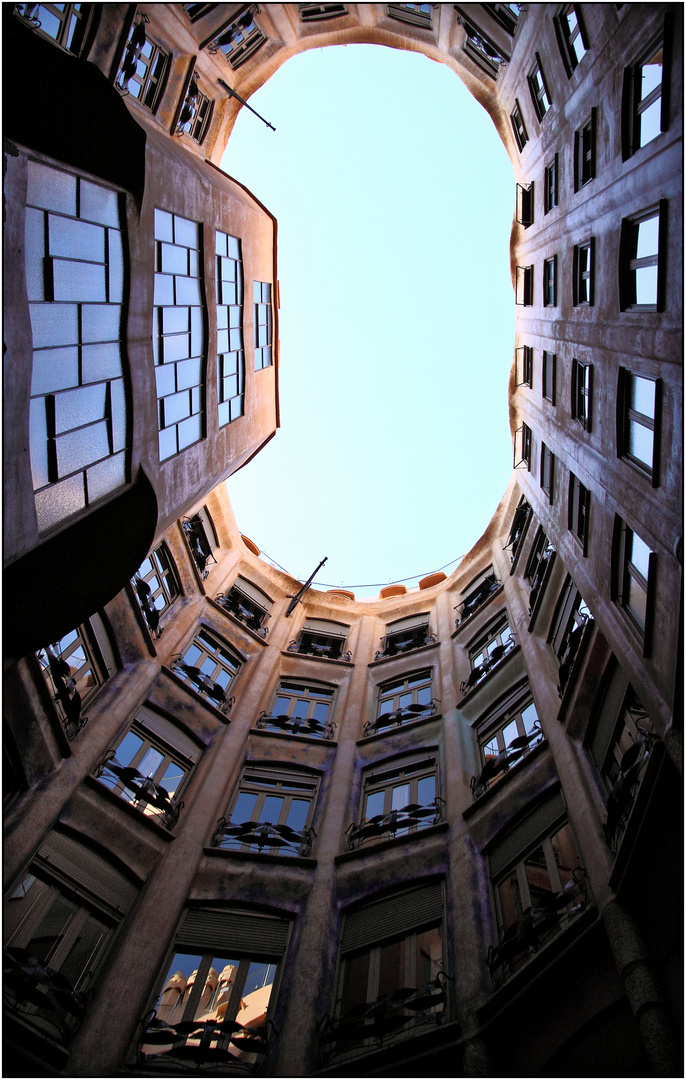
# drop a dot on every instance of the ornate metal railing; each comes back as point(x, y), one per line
point(496, 766)
point(539, 575)
point(393, 646)
point(568, 658)
point(147, 605)
point(405, 715)
point(146, 795)
point(297, 725)
point(476, 599)
point(481, 670)
point(535, 927)
point(66, 696)
point(262, 834)
point(632, 769)
point(202, 1043)
point(133, 52)
point(319, 648)
point(41, 997)
point(411, 817)
point(252, 619)
point(193, 529)
point(391, 1014)
point(204, 683)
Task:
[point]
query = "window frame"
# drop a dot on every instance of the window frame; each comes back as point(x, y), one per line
point(524, 364)
point(625, 573)
point(310, 692)
point(550, 281)
point(634, 106)
point(524, 208)
point(526, 440)
point(549, 376)
point(505, 755)
point(84, 19)
point(626, 416)
point(210, 647)
point(518, 126)
point(540, 95)
point(396, 688)
point(585, 141)
point(551, 185)
point(630, 263)
point(566, 37)
point(251, 611)
point(163, 569)
point(201, 538)
point(385, 777)
point(582, 393)
point(524, 285)
point(199, 108)
point(579, 509)
point(584, 273)
point(243, 46)
point(407, 13)
point(276, 780)
point(547, 474)
point(67, 688)
point(320, 12)
point(419, 636)
point(263, 325)
point(153, 82)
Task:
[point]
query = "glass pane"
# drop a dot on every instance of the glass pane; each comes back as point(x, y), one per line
point(637, 600)
point(564, 852)
point(52, 929)
point(650, 123)
point(297, 814)
point(400, 797)
point(638, 554)
point(529, 718)
point(643, 396)
point(510, 900)
point(150, 763)
point(429, 956)
point(426, 791)
point(510, 733)
point(646, 284)
point(540, 886)
point(354, 982)
point(647, 237)
point(271, 809)
point(128, 748)
point(651, 75)
point(245, 807)
point(375, 805)
point(641, 443)
point(172, 778)
point(80, 960)
point(391, 967)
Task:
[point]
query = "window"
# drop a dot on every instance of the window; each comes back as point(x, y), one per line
point(74, 276)
point(584, 152)
point(479, 47)
point(646, 111)
point(641, 279)
point(487, 650)
point(196, 112)
point(391, 982)
point(550, 281)
point(571, 37)
point(209, 668)
point(398, 799)
point(536, 573)
point(505, 739)
point(66, 24)
point(401, 701)
point(202, 540)
point(583, 273)
point(525, 204)
point(301, 709)
point(620, 742)
point(230, 353)
point(60, 921)
point(271, 812)
point(522, 447)
point(248, 604)
point(150, 767)
point(538, 890)
point(239, 39)
point(506, 15)
point(229, 984)
point(547, 471)
point(550, 200)
point(634, 575)
point(549, 372)
point(143, 66)
point(414, 14)
point(638, 421)
point(539, 90)
point(196, 11)
point(579, 510)
point(524, 285)
point(569, 622)
point(156, 586)
point(477, 593)
point(262, 297)
point(517, 120)
point(524, 362)
point(582, 393)
point(322, 638)
point(405, 634)
point(74, 667)
point(520, 522)
point(178, 338)
point(318, 12)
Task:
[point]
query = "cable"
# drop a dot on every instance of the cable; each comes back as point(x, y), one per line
point(372, 584)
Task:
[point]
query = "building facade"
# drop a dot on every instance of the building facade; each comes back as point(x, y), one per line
point(256, 829)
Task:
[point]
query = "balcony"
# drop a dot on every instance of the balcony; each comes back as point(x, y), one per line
point(139, 790)
point(497, 766)
point(539, 574)
point(200, 547)
point(535, 927)
point(405, 641)
point(245, 610)
point(274, 839)
point(404, 715)
point(572, 649)
point(323, 646)
point(481, 670)
point(477, 599)
point(41, 1007)
point(632, 769)
point(220, 1047)
point(66, 696)
point(204, 684)
point(410, 818)
point(296, 725)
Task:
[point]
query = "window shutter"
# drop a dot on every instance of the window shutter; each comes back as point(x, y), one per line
point(523, 835)
point(392, 915)
point(608, 715)
point(233, 932)
point(324, 626)
point(408, 624)
point(252, 592)
point(172, 736)
point(88, 871)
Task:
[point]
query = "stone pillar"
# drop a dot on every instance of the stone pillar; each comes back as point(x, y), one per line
point(476, 1059)
point(636, 975)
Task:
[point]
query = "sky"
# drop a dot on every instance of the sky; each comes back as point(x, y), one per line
point(394, 198)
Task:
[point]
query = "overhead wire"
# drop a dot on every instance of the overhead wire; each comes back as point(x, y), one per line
point(371, 584)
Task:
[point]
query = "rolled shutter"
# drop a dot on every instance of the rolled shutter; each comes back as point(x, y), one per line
point(408, 624)
point(170, 735)
point(526, 833)
point(396, 914)
point(608, 715)
point(88, 871)
point(252, 592)
point(324, 626)
point(234, 932)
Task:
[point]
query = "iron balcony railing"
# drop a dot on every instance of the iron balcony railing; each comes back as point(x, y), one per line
point(36, 995)
point(410, 818)
point(327, 649)
point(496, 766)
point(204, 683)
point(481, 670)
point(253, 617)
point(197, 542)
point(296, 725)
point(139, 790)
point(198, 1046)
point(392, 644)
point(539, 575)
point(476, 599)
point(535, 927)
point(632, 769)
point(280, 839)
point(404, 715)
point(147, 605)
point(568, 658)
point(66, 697)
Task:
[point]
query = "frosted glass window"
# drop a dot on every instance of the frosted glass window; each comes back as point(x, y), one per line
point(262, 300)
point(75, 276)
point(230, 353)
point(178, 332)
